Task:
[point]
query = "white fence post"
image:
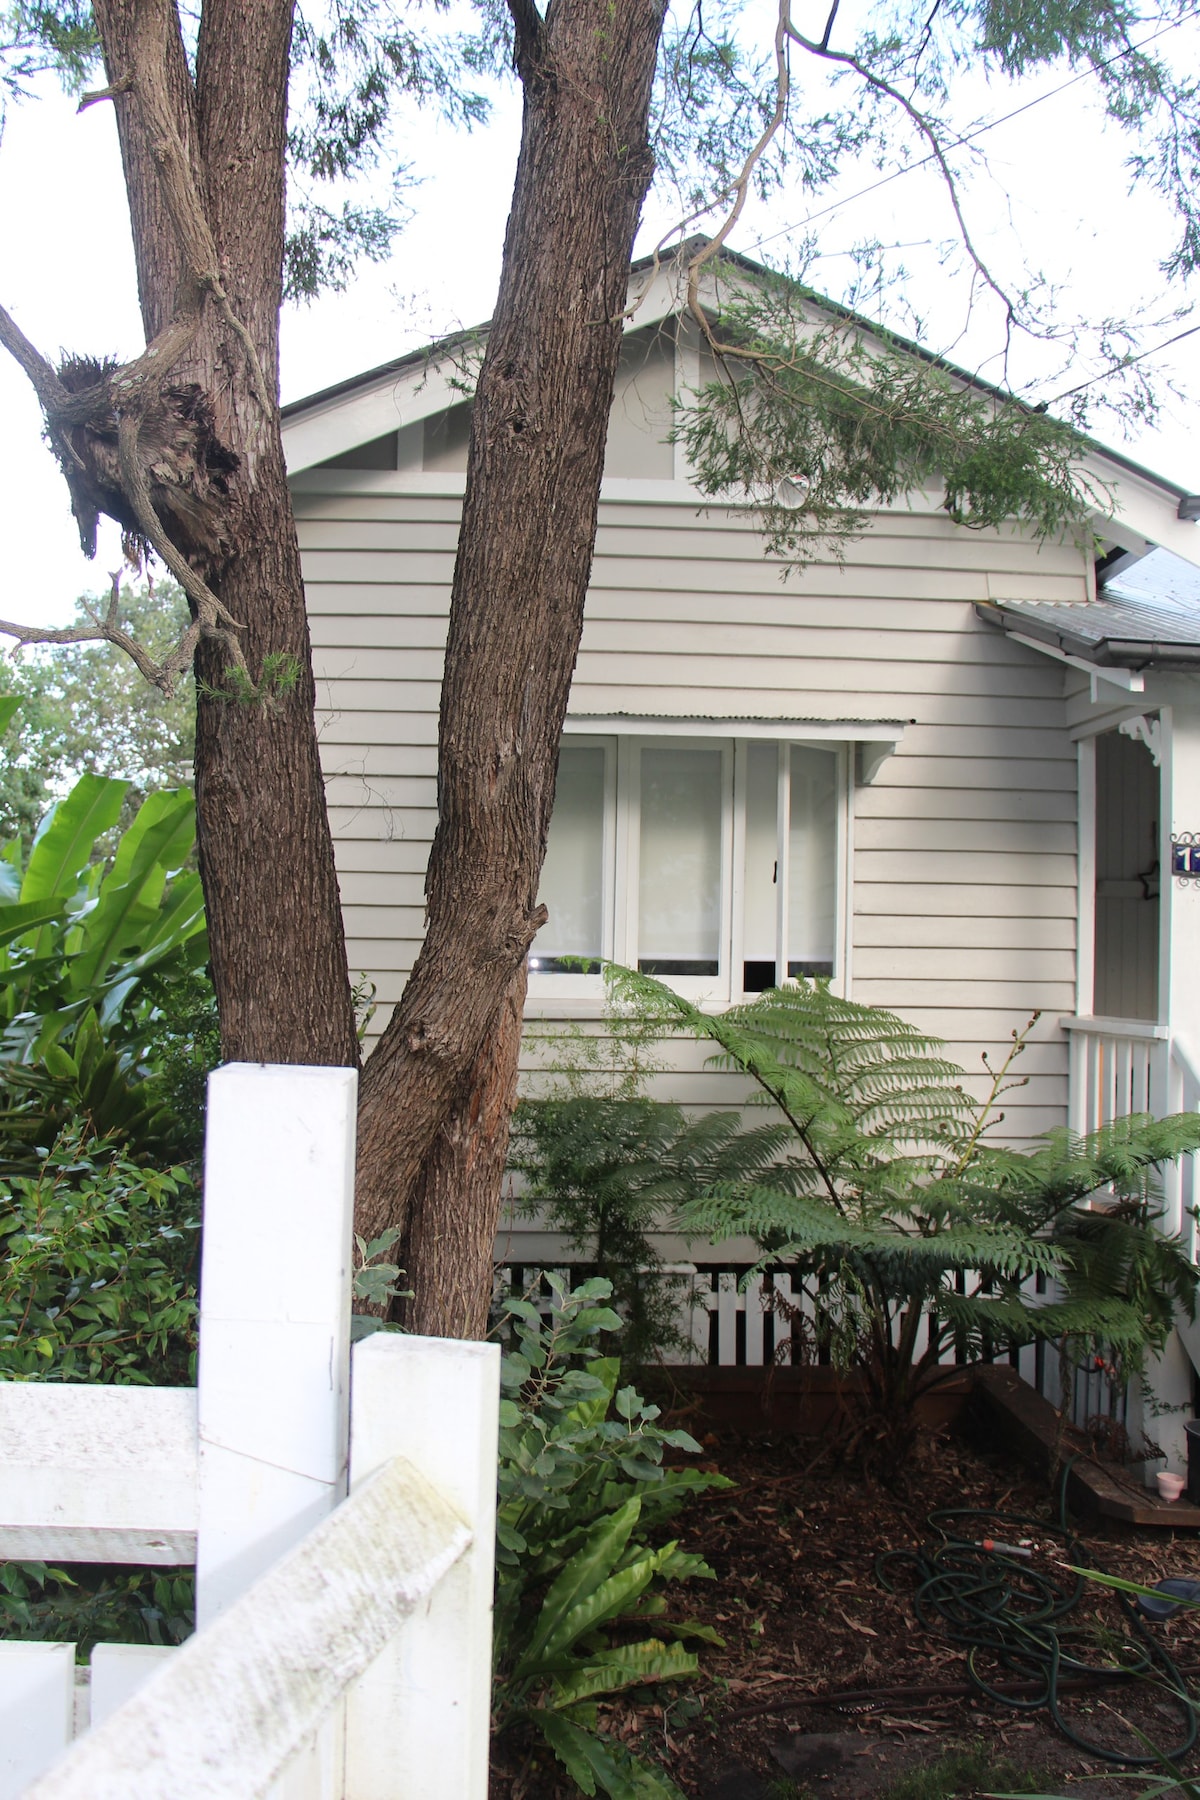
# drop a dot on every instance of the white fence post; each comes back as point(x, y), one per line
point(37, 1706)
point(417, 1722)
point(274, 1319)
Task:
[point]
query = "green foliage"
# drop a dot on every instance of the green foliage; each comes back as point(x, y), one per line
point(891, 1205)
point(816, 419)
point(85, 709)
point(94, 1605)
point(179, 1043)
point(79, 941)
point(278, 677)
point(581, 1483)
point(376, 1281)
point(34, 38)
point(605, 1170)
point(97, 1273)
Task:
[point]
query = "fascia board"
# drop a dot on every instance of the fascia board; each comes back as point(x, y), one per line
point(1141, 511)
point(352, 419)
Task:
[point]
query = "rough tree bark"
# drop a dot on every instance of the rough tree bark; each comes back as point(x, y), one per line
point(524, 559)
point(204, 171)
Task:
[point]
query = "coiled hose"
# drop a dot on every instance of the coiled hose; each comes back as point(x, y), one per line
point(1014, 1610)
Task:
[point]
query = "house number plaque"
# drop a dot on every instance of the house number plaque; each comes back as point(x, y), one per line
point(1185, 858)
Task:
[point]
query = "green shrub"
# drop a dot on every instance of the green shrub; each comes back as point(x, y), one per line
point(92, 956)
point(606, 1171)
point(581, 1484)
point(606, 1166)
point(95, 1605)
point(98, 1269)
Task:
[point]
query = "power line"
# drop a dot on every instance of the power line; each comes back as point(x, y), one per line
point(1126, 362)
point(969, 136)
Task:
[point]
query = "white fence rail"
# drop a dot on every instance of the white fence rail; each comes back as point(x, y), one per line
point(343, 1647)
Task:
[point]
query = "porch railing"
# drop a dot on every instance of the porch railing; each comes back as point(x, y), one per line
point(1123, 1066)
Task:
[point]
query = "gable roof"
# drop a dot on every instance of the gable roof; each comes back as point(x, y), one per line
point(1150, 507)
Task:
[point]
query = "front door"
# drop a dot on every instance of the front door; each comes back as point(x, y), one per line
point(1127, 879)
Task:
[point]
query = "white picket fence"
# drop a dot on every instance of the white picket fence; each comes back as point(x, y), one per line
point(340, 1512)
point(728, 1317)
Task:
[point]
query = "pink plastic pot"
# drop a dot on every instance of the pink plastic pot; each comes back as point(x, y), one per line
point(1169, 1486)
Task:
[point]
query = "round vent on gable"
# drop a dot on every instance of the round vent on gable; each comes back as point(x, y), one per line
point(792, 491)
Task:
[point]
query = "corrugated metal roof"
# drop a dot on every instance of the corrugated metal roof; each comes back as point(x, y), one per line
point(1148, 615)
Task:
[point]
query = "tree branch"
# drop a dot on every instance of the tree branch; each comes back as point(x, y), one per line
point(122, 86)
point(741, 186)
point(109, 630)
point(918, 119)
point(213, 618)
point(44, 378)
point(529, 29)
point(182, 191)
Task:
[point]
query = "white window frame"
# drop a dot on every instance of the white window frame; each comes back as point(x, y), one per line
point(557, 986)
point(623, 742)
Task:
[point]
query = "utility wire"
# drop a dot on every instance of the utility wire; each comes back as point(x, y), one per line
point(969, 136)
point(1126, 362)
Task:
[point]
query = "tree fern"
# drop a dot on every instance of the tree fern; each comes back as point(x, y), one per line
point(912, 1231)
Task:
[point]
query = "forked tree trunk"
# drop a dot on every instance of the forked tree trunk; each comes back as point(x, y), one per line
point(443, 1074)
point(204, 168)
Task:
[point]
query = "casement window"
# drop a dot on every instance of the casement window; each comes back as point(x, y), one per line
point(714, 863)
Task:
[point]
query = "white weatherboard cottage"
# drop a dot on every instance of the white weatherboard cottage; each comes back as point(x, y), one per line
point(956, 771)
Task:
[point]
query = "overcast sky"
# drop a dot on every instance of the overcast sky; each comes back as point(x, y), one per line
point(1053, 196)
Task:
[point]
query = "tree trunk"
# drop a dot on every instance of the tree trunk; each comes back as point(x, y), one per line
point(265, 851)
point(516, 614)
point(453, 1218)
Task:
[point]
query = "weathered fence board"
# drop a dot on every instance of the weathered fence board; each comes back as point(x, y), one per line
point(275, 1317)
point(97, 1474)
point(220, 1719)
point(300, 1591)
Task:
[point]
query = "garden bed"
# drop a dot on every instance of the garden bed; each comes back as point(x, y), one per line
point(827, 1679)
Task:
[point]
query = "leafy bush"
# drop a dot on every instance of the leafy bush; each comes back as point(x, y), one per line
point(581, 1484)
point(86, 709)
point(912, 1233)
point(95, 1605)
point(79, 942)
point(98, 1269)
point(605, 1172)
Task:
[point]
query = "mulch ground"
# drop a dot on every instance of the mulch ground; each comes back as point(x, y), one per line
point(827, 1681)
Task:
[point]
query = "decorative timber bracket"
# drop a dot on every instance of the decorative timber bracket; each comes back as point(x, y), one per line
point(1145, 730)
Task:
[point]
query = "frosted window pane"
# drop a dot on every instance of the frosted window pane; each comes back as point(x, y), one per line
point(679, 897)
point(573, 872)
point(812, 863)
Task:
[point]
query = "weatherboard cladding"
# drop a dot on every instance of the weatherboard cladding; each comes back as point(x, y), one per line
point(964, 846)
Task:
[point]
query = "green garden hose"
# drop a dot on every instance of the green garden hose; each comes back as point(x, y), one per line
point(999, 1602)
